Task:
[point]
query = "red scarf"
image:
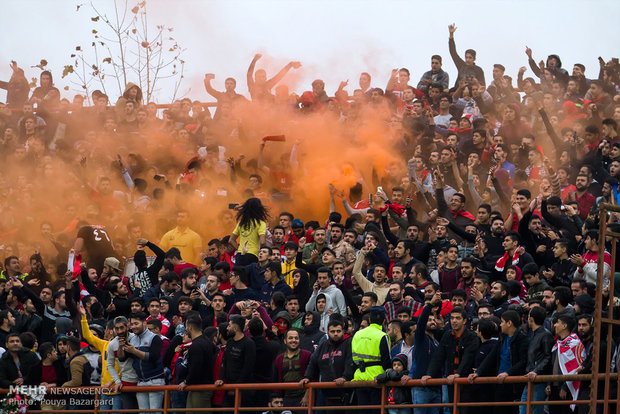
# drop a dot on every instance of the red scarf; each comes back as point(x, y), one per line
point(398, 209)
point(462, 213)
point(424, 175)
point(501, 262)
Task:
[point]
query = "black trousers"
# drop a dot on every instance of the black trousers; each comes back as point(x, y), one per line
point(368, 396)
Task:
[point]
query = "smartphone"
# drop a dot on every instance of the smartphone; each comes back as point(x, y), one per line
point(445, 295)
point(233, 206)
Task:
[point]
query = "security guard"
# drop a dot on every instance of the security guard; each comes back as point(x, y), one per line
point(370, 352)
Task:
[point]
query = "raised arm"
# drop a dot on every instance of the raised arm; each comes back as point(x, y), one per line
point(153, 270)
point(36, 300)
point(392, 81)
point(458, 62)
point(261, 159)
point(532, 62)
point(207, 81)
point(280, 75)
point(550, 131)
point(250, 75)
point(364, 283)
point(389, 235)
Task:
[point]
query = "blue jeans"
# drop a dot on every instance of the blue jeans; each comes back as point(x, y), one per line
point(399, 410)
point(426, 395)
point(150, 400)
point(178, 399)
point(445, 398)
point(111, 402)
point(539, 395)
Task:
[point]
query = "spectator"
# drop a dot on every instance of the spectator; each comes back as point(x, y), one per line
point(291, 367)
point(239, 360)
point(78, 372)
point(538, 356)
point(328, 363)
point(200, 360)
point(145, 350)
point(508, 358)
point(455, 354)
point(18, 365)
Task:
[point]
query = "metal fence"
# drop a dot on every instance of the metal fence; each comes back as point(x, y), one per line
point(381, 406)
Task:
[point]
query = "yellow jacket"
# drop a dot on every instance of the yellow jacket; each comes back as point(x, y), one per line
point(102, 347)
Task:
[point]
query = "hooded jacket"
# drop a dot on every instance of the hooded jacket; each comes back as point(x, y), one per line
point(303, 290)
point(120, 104)
point(334, 300)
point(312, 334)
point(17, 89)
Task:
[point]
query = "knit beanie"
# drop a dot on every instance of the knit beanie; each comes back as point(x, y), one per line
point(402, 358)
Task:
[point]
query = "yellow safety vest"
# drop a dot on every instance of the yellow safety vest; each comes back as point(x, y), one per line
point(366, 355)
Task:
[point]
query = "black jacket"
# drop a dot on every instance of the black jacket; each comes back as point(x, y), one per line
point(30, 367)
point(329, 361)
point(400, 395)
point(518, 356)
point(267, 350)
point(539, 352)
point(563, 273)
point(442, 362)
point(312, 336)
point(200, 360)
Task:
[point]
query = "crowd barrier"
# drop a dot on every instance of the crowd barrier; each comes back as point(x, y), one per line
point(381, 405)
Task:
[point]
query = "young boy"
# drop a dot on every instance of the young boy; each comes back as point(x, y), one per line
point(397, 395)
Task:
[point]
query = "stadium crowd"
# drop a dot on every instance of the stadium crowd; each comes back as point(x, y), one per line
point(454, 235)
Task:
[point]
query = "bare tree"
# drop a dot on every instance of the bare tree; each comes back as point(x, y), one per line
point(126, 48)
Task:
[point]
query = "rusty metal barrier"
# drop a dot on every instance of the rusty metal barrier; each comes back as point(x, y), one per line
point(605, 216)
point(381, 405)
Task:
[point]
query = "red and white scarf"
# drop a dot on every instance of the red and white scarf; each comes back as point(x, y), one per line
point(501, 262)
point(571, 354)
point(76, 272)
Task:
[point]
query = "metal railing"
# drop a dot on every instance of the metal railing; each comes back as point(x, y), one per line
point(382, 405)
point(604, 233)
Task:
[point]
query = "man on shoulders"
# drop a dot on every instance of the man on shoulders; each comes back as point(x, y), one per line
point(435, 75)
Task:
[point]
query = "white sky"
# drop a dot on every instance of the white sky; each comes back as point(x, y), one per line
point(334, 40)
